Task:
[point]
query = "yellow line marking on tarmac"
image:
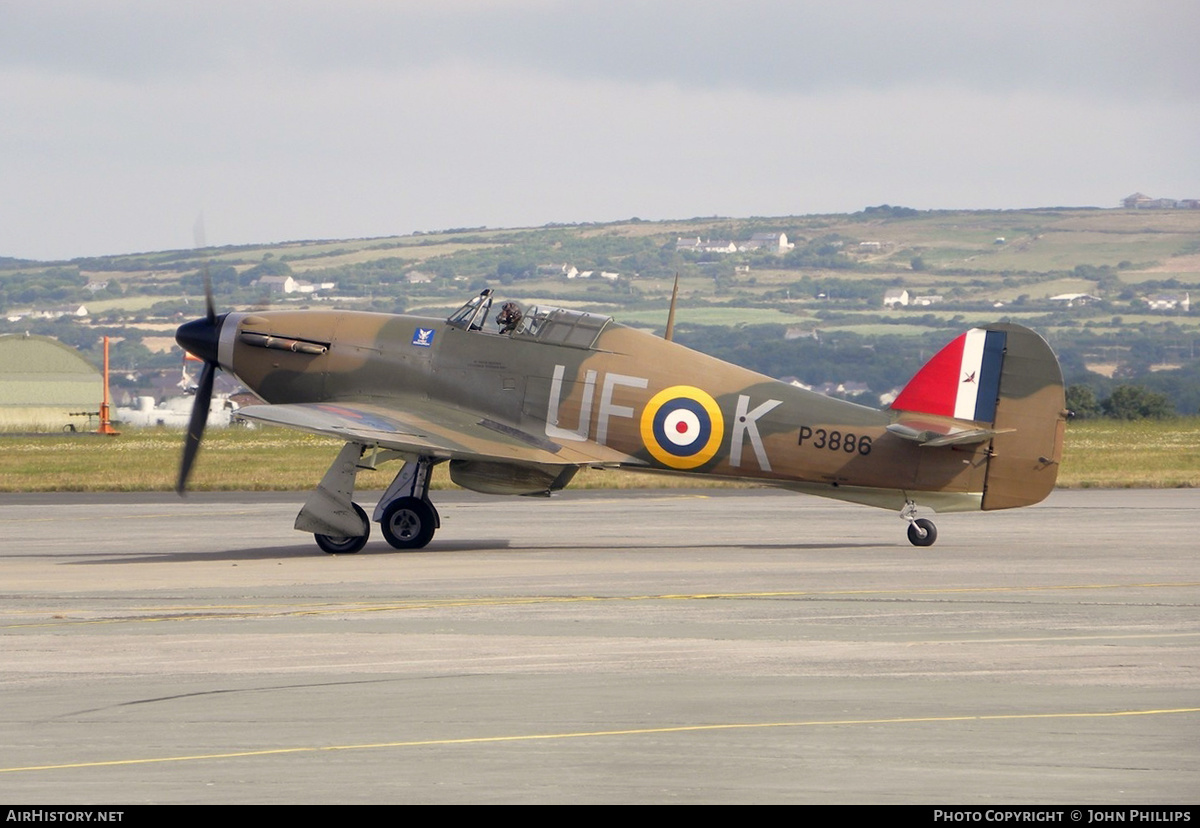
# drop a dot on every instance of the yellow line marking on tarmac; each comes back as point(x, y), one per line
point(213, 612)
point(595, 734)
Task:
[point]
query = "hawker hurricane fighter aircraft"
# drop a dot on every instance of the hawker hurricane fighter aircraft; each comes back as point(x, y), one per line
point(518, 403)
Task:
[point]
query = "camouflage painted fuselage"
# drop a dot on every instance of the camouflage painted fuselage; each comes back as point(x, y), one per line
point(576, 389)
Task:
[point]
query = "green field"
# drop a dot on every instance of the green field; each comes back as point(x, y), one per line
point(1099, 454)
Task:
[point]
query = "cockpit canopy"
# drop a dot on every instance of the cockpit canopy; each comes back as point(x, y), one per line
point(540, 323)
point(474, 313)
point(561, 326)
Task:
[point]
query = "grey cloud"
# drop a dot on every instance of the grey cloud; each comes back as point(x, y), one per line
point(1099, 47)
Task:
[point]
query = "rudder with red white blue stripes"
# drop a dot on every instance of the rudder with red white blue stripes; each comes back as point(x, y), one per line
point(961, 381)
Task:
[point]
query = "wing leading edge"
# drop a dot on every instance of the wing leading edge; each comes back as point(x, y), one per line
point(429, 429)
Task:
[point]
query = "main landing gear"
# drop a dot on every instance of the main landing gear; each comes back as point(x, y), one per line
point(405, 514)
point(921, 531)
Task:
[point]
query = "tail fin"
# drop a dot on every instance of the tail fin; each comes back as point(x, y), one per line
point(1000, 383)
point(961, 381)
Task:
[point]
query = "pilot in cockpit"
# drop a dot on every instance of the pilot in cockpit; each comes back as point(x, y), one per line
point(509, 317)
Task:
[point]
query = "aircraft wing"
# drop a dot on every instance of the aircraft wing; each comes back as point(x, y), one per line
point(431, 429)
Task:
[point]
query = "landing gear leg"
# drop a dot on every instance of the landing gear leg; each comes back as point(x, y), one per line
point(406, 516)
point(921, 531)
point(339, 525)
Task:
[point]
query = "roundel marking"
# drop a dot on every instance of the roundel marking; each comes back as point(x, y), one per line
point(682, 427)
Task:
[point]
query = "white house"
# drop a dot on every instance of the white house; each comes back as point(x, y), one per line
point(777, 242)
point(1073, 299)
point(278, 284)
point(286, 284)
point(1169, 301)
point(706, 246)
point(78, 311)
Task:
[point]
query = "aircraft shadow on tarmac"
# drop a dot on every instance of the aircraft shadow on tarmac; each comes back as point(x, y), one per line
point(281, 552)
point(446, 547)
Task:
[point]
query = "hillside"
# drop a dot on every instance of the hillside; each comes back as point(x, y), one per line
point(814, 310)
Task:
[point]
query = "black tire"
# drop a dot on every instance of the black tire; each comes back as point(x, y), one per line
point(334, 545)
point(914, 535)
point(408, 523)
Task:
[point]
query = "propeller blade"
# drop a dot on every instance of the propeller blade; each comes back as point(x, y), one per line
point(200, 236)
point(196, 425)
point(200, 337)
point(210, 310)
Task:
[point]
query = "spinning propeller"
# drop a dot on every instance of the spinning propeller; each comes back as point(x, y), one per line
point(201, 338)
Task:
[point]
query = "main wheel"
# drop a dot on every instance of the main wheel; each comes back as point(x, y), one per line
point(914, 532)
point(408, 523)
point(335, 545)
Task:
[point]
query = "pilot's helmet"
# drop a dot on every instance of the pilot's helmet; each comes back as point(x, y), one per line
point(510, 314)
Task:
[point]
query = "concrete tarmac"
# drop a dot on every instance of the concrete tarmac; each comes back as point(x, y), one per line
point(607, 647)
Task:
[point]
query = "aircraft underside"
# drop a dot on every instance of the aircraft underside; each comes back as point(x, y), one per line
point(408, 519)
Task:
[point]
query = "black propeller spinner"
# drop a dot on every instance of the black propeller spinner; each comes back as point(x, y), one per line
point(201, 338)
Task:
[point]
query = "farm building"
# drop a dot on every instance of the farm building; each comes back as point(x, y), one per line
point(46, 385)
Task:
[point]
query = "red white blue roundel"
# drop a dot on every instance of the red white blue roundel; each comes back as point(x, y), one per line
point(682, 427)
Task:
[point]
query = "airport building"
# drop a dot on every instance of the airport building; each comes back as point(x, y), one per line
point(46, 386)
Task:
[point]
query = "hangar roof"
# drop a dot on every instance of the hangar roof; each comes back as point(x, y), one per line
point(38, 370)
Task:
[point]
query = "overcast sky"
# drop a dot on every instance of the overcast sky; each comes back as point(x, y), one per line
point(121, 122)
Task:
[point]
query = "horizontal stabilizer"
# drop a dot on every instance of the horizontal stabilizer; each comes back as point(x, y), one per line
point(950, 433)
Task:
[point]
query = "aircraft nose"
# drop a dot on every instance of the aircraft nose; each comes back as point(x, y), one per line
point(201, 337)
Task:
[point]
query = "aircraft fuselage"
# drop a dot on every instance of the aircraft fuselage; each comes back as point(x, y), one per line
point(668, 407)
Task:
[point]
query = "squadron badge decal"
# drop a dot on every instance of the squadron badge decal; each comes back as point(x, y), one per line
point(682, 427)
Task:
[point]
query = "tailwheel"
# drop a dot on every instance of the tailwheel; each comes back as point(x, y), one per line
point(922, 532)
point(408, 523)
point(348, 545)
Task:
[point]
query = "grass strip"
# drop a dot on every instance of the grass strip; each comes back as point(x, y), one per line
point(1099, 454)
